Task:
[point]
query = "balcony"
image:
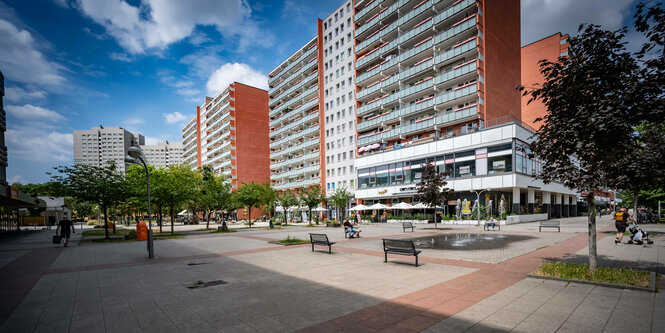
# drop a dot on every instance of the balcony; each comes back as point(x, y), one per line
point(295, 62)
point(292, 125)
point(418, 107)
point(295, 100)
point(286, 139)
point(456, 116)
point(470, 67)
point(458, 50)
point(416, 70)
point(446, 14)
point(455, 94)
point(417, 127)
point(366, 10)
point(455, 30)
point(425, 85)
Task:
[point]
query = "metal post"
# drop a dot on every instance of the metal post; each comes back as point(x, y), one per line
point(151, 250)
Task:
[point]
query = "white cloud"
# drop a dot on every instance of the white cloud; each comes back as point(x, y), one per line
point(542, 18)
point(120, 57)
point(17, 94)
point(229, 73)
point(174, 117)
point(32, 112)
point(188, 92)
point(16, 179)
point(155, 24)
point(21, 61)
point(39, 145)
point(134, 121)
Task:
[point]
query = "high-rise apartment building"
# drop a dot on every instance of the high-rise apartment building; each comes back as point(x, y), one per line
point(163, 154)
point(297, 146)
point(230, 135)
point(549, 48)
point(3, 129)
point(339, 98)
point(100, 144)
point(312, 110)
point(436, 83)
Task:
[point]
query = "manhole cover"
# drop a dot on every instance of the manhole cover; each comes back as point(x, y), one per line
point(197, 263)
point(202, 284)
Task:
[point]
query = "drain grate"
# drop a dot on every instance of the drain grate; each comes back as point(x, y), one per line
point(202, 284)
point(197, 263)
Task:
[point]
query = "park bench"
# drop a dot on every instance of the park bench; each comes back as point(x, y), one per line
point(486, 226)
point(401, 247)
point(321, 239)
point(407, 225)
point(346, 235)
point(549, 224)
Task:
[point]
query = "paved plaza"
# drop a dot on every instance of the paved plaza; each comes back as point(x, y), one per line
point(238, 282)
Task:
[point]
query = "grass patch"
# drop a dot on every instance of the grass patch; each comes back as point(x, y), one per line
point(274, 228)
point(602, 274)
point(221, 232)
point(292, 240)
point(102, 232)
point(313, 225)
point(166, 235)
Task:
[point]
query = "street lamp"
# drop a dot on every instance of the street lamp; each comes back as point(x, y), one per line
point(135, 156)
point(478, 200)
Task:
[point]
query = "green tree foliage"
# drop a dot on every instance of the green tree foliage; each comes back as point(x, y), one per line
point(340, 199)
point(591, 115)
point(288, 200)
point(103, 185)
point(178, 185)
point(216, 193)
point(311, 199)
point(250, 196)
point(269, 199)
point(432, 188)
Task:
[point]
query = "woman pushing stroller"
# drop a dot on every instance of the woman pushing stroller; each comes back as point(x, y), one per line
point(622, 217)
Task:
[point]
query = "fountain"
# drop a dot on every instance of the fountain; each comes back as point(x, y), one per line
point(469, 241)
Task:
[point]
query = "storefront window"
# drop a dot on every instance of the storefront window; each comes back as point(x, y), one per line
point(363, 178)
point(500, 164)
point(382, 175)
point(417, 170)
point(396, 177)
point(465, 169)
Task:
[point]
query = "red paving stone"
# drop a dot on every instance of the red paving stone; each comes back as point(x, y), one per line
point(445, 299)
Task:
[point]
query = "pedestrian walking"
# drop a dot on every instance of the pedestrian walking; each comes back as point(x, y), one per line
point(65, 225)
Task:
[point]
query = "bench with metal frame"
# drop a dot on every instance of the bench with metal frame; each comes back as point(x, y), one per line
point(486, 226)
point(399, 246)
point(407, 225)
point(549, 224)
point(321, 239)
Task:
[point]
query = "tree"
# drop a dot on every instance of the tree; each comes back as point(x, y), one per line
point(589, 124)
point(432, 188)
point(82, 209)
point(311, 198)
point(340, 199)
point(250, 196)
point(288, 200)
point(104, 185)
point(178, 186)
point(216, 193)
point(269, 198)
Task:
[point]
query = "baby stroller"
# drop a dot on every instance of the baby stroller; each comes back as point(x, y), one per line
point(638, 236)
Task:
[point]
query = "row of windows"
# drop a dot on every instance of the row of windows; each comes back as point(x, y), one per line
point(341, 184)
point(340, 130)
point(341, 171)
point(340, 157)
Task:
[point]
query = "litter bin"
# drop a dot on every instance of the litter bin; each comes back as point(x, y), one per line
point(141, 231)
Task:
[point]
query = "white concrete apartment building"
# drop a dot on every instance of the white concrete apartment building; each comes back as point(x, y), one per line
point(163, 154)
point(100, 144)
point(190, 143)
point(339, 99)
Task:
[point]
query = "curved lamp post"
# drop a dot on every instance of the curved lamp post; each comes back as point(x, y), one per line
point(135, 156)
point(478, 200)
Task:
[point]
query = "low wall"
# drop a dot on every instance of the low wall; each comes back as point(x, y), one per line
point(512, 219)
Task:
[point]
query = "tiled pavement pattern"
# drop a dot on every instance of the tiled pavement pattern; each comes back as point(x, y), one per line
point(113, 287)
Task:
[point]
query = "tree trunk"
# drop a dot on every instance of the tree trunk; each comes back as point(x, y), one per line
point(208, 220)
point(249, 211)
point(310, 216)
point(172, 219)
point(159, 211)
point(593, 254)
point(635, 195)
point(435, 227)
point(106, 222)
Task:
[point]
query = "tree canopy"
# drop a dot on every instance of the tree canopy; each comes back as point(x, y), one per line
point(432, 188)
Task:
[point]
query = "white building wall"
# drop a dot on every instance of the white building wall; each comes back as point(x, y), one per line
point(339, 99)
point(100, 144)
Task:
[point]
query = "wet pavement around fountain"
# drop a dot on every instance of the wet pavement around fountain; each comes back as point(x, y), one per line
point(242, 283)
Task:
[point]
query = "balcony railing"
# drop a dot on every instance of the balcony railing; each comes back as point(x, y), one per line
point(464, 4)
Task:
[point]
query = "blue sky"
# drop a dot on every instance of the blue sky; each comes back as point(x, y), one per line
point(145, 64)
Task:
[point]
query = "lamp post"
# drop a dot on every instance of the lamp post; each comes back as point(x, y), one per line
point(135, 156)
point(478, 200)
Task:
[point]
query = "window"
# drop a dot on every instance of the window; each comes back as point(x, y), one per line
point(500, 164)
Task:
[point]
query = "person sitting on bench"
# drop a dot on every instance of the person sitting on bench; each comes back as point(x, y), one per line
point(491, 223)
point(350, 229)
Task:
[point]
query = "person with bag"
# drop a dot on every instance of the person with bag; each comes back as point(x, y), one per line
point(66, 225)
point(621, 217)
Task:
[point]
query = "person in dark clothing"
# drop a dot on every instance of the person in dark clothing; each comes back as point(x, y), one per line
point(66, 226)
point(621, 217)
point(349, 229)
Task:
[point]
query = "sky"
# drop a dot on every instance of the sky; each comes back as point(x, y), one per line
point(145, 65)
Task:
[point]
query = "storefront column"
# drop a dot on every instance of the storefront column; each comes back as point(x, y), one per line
point(566, 206)
point(557, 205)
point(516, 200)
point(573, 205)
point(547, 207)
point(530, 199)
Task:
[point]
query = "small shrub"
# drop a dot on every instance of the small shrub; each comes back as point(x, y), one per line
point(131, 234)
point(90, 223)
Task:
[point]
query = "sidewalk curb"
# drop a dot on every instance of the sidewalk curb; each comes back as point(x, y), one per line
point(652, 282)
